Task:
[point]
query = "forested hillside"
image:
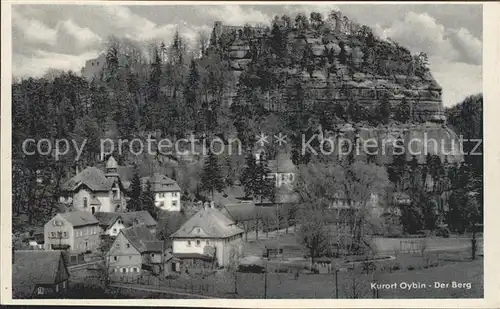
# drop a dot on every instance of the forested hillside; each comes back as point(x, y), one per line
point(300, 76)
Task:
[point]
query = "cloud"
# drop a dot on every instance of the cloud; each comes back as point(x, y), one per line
point(135, 27)
point(236, 14)
point(33, 31)
point(322, 8)
point(469, 47)
point(39, 62)
point(77, 36)
point(457, 79)
point(422, 33)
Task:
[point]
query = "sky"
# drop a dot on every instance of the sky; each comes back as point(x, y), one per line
point(64, 36)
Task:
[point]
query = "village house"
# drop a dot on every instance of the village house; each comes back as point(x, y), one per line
point(134, 250)
point(167, 192)
point(75, 231)
point(282, 169)
point(93, 190)
point(112, 223)
point(38, 274)
point(207, 235)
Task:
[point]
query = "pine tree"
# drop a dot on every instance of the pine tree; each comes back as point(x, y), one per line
point(211, 176)
point(383, 112)
point(192, 100)
point(148, 200)
point(248, 177)
point(134, 203)
point(264, 185)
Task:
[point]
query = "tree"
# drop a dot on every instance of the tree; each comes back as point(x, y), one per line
point(148, 200)
point(249, 177)
point(169, 223)
point(402, 111)
point(316, 20)
point(383, 111)
point(233, 264)
point(313, 232)
point(264, 185)
point(211, 176)
point(134, 204)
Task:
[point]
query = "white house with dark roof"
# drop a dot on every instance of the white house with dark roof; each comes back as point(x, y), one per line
point(112, 223)
point(93, 190)
point(75, 231)
point(207, 234)
point(167, 192)
point(38, 274)
point(135, 249)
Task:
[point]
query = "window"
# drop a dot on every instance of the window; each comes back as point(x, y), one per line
point(53, 234)
point(198, 243)
point(117, 245)
point(161, 195)
point(65, 235)
point(115, 258)
point(114, 230)
point(189, 243)
point(85, 202)
point(174, 194)
point(40, 291)
point(129, 257)
point(135, 269)
point(127, 245)
point(124, 270)
point(152, 255)
point(174, 203)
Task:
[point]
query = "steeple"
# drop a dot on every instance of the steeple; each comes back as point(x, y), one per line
point(111, 167)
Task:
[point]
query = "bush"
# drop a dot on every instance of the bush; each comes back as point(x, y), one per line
point(443, 232)
point(411, 267)
point(251, 269)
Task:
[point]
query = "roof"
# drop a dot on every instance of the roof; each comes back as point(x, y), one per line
point(79, 218)
point(241, 211)
point(213, 223)
point(32, 268)
point(230, 195)
point(192, 256)
point(142, 239)
point(92, 177)
point(129, 218)
point(282, 164)
point(161, 183)
point(111, 163)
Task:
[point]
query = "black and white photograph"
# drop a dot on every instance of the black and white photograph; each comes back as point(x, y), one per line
point(246, 151)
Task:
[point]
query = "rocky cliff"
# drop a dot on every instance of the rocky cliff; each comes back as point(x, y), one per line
point(337, 61)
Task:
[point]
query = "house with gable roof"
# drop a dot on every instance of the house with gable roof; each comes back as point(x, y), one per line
point(134, 250)
point(74, 231)
point(207, 234)
point(94, 190)
point(166, 190)
point(38, 274)
point(112, 223)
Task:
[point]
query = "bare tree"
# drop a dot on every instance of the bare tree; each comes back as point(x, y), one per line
point(233, 264)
